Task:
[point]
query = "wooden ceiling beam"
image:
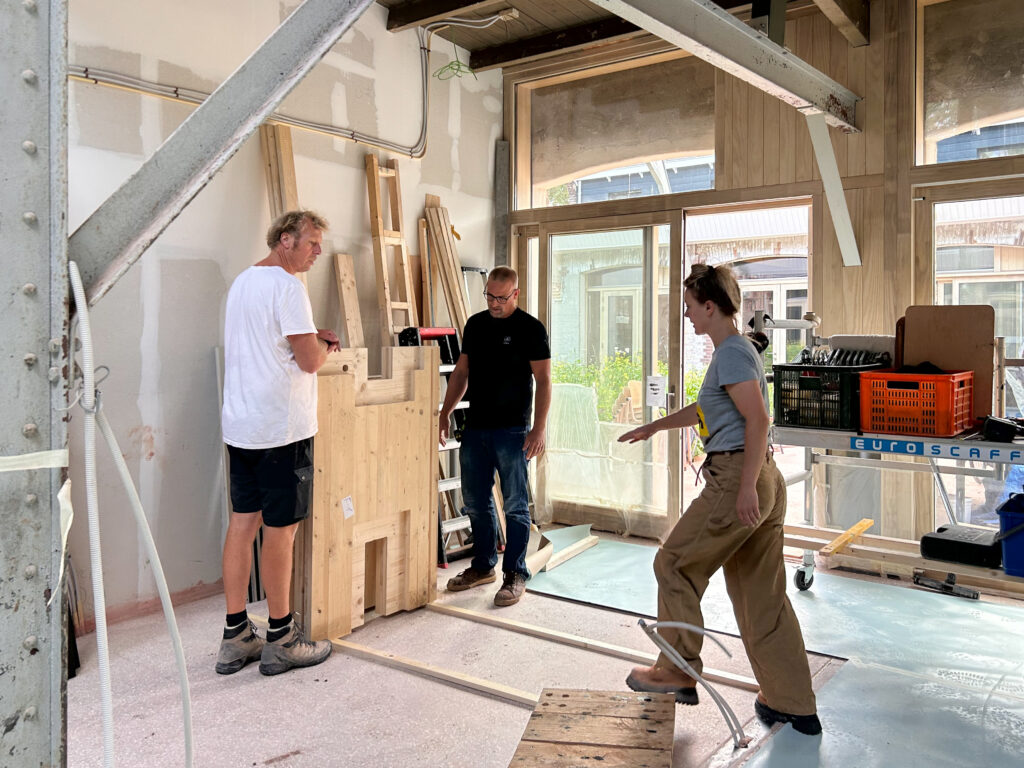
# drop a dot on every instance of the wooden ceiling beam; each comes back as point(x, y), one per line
point(850, 17)
point(551, 43)
point(420, 12)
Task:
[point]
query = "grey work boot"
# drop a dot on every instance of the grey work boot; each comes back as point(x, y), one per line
point(292, 650)
point(235, 652)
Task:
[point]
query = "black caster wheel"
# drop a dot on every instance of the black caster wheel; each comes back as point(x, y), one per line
point(803, 580)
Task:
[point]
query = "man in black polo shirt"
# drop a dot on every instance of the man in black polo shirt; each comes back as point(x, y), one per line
point(506, 350)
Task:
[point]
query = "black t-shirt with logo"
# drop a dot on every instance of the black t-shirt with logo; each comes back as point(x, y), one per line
point(500, 376)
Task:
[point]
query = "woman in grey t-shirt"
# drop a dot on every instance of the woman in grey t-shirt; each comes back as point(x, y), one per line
point(736, 522)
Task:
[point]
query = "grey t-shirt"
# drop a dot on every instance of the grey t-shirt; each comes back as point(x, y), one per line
point(721, 426)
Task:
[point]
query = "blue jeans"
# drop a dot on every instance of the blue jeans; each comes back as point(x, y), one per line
point(483, 451)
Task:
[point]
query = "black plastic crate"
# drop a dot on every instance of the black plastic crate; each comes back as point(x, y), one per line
point(818, 396)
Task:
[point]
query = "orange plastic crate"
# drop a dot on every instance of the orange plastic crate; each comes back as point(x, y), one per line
point(940, 404)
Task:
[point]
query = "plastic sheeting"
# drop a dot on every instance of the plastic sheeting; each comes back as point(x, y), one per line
point(584, 465)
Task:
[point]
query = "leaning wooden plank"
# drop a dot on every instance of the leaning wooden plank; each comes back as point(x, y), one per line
point(597, 646)
point(439, 242)
point(567, 553)
point(351, 319)
point(477, 684)
point(846, 537)
point(279, 167)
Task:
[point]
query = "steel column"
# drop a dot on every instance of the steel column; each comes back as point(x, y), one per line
point(120, 231)
point(33, 208)
point(710, 33)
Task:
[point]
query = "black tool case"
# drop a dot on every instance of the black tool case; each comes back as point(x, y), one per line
point(965, 544)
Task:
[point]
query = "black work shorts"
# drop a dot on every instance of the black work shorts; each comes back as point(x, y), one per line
point(276, 481)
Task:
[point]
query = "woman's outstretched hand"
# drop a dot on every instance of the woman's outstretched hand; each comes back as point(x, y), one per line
point(638, 434)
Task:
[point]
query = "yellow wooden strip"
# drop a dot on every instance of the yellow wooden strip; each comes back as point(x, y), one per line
point(480, 685)
point(843, 539)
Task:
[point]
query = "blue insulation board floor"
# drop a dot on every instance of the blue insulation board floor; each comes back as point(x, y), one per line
point(933, 680)
point(876, 716)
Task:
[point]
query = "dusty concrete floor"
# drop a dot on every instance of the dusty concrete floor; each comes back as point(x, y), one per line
point(352, 712)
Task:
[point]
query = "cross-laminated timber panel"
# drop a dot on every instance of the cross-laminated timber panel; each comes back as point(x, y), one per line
point(374, 487)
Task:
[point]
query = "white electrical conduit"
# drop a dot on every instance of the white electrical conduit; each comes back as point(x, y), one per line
point(93, 415)
point(735, 727)
point(192, 96)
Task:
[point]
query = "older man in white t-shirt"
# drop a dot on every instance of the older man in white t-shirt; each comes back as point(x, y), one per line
point(272, 351)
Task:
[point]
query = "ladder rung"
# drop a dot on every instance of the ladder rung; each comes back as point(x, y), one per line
point(460, 523)
point(450, 445)
point(445, 368)
point(399, 304)
point(386, 173)
point(461, 404)
point(449, 484)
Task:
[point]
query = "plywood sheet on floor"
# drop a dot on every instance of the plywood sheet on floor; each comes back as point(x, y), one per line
point(571, 727)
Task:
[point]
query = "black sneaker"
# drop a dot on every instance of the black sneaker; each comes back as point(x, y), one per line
point(470, 578)
point(809, 725)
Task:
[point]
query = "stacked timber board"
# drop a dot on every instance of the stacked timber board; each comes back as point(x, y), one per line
point(373, 521)
point(607, 728)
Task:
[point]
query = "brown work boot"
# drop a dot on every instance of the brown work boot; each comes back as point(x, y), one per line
point(512, 587)
point(470, 578)
point(664, 680)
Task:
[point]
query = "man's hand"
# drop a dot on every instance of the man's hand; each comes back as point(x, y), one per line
point(747, 508)
point(444, 421)
point(333, 342)
point(533, 445)
point(638, 434)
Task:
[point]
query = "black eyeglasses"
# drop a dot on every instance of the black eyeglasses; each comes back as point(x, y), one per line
point(499, 299)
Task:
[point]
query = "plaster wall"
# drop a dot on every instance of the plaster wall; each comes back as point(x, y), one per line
point(158, 327)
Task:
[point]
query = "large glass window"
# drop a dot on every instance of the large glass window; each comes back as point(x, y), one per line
point(979, 259)
point(971, 71)
point(648, 130)
point(768, 250)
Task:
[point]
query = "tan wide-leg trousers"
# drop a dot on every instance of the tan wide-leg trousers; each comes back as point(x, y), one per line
point(709, 536)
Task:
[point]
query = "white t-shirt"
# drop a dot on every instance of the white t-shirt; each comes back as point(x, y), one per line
point(268, 400)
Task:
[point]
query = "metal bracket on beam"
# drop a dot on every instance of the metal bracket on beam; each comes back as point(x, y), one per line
point(769, 18)
point(710, 33)
point(127, 223)
point(825, 154)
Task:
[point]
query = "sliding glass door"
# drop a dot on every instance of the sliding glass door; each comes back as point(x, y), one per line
point(608, 315)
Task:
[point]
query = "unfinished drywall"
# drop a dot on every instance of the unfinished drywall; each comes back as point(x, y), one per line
point(157, 328)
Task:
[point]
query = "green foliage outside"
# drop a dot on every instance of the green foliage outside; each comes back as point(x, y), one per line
point(607, 380)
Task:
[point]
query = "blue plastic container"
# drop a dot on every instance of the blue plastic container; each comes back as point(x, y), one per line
point(1011, 516)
